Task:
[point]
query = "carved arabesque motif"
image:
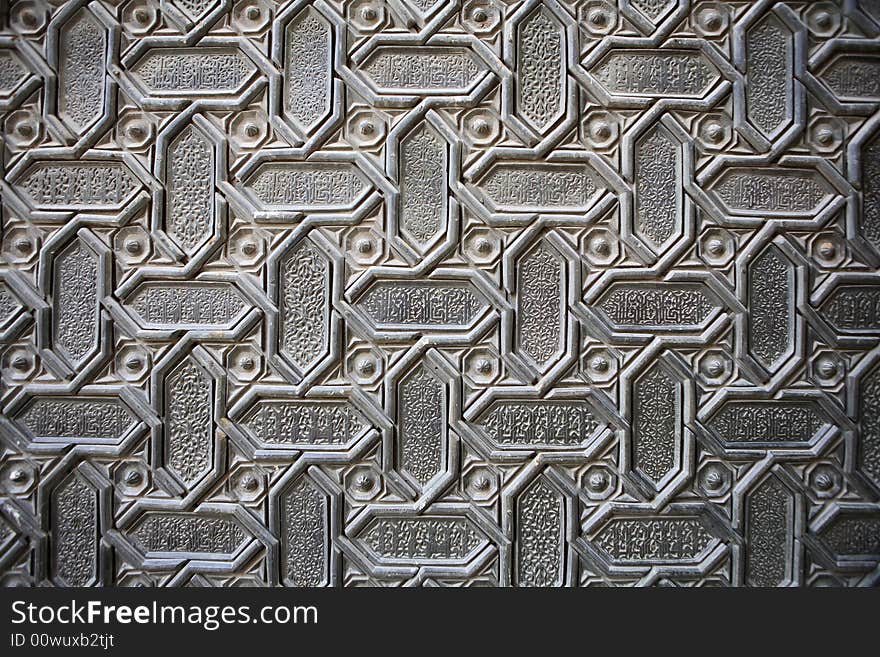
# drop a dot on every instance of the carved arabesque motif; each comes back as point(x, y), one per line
point(420, 293)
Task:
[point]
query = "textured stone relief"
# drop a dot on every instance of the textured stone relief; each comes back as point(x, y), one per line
point(532, 293)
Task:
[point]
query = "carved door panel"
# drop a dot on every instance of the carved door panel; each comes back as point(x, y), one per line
point(484, 293)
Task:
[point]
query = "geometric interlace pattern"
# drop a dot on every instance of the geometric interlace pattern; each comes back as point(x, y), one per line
point(440, 293)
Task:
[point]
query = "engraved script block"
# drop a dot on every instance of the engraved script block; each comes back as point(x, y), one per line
point(778, 192)
point(188, 534)
point(75, 419)
point(853, 77)
point(188, 305)
point(413, 305)
point(422, 540)
point(547, 424)
point(301, 186)
point(198, 71)
point(521, 187)
point(661, 306)
point(303, 424)
point(80, 185)
point(853, 534)
point(653, 540)
point(767, 423)
point(656, 73)
point(853, 308)
point(424, 70)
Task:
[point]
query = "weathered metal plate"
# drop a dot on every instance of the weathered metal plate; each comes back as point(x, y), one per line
point(482, 292)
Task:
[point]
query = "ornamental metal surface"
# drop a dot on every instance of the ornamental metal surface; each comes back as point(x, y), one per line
point(440, 293)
